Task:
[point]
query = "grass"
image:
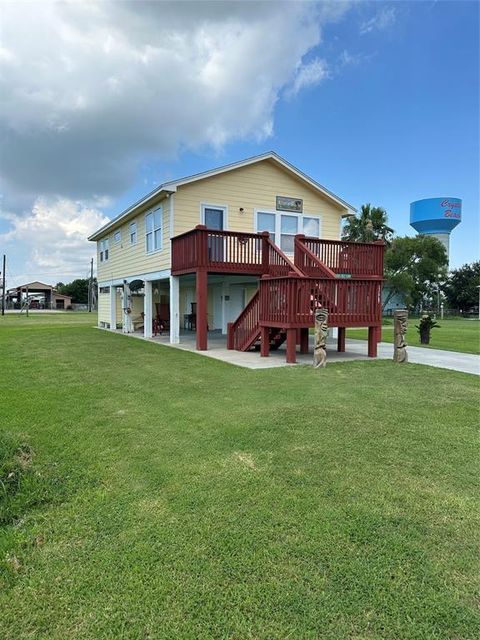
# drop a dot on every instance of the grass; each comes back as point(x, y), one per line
point(452, 335)
point(168, 495)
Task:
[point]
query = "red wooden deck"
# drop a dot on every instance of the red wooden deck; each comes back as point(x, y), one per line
point(344, 277)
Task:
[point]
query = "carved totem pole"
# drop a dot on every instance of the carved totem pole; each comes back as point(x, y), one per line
point(321, 332)
point(400, 324)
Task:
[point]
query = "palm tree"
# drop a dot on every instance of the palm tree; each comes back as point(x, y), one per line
point(369, 225)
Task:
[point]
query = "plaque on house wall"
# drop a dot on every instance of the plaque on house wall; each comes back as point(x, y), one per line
point(289, 204)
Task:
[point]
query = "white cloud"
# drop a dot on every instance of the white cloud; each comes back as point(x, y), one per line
point(91, 90)
point(53, 237)
point(383, 19)
point(310, 74)
point(131, 79)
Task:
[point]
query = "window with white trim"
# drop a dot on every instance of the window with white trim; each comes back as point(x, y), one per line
point(283, 227)
point(311, 227)
point(153, 230)
point(104, 250)
point(104, 290)
point(117, 236)
point(288, 229)
point(267, 222)
point(133, 232)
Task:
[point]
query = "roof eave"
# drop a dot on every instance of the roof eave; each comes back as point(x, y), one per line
point(143, 201)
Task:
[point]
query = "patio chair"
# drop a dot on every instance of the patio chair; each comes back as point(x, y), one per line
point(192, 318)
point(162, 316)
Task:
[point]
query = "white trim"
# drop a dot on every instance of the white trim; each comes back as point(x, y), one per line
point(119, 232)
point(174, 309)
point(147, 309)
point(130, 243)
point(171, 187)
point(101, 252)
point(148, 213)
point(153, 275)
point(113, 308)
point(171, 225)
point(171, 199)
point(209, 205)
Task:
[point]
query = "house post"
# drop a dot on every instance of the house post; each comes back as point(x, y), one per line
point(174, 309)
point(265, 252)
point(147, 309)
point(297, 253)
point(264, 342)
point(291, 345)
point(126, 309)
point(341, 339)
point(372, 342)
point(201, 291)
point(113, 308)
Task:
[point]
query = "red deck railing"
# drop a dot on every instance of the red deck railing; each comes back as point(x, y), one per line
point(246, 328)
point(308, 262)
point(291, 301)
point(229, 252)
point(354, 259)
point(225, 251)
point(256, 254)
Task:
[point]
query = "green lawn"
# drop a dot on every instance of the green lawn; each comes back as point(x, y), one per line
point(148, 493)
point(452, 335)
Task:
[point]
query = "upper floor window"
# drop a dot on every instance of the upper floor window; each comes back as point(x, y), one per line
point(311, 227)
point(133, 232)
point(153, 230)
point(117, 236)
point(104, 250)
point(284, 227)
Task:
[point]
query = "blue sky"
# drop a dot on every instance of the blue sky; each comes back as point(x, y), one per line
point(381, 107)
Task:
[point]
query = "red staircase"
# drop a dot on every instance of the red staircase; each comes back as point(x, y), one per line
point(290, 293)
point(245, 331)
point(344, 277)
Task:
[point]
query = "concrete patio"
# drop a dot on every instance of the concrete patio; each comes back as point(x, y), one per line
point(355, 350)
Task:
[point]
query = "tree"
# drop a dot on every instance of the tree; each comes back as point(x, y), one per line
point(369, 225)
point(414, 269)
point(77, 289)
point(461, 287)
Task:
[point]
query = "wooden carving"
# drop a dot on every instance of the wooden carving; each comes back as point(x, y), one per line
point(400, 324)
point(321, 332)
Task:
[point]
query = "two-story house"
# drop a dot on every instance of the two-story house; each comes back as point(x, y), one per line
point(195, 251)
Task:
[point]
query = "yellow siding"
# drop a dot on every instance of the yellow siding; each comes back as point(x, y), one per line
point(126, 260)
point(252, 187)
point(103, 307)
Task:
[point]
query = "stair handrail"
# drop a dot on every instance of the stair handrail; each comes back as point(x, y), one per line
point(301, 248)
point(288, 263)
point(232, 327)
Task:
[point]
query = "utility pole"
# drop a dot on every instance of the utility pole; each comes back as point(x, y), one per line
point(27, 303)
point(90, 288)
point(3, 283)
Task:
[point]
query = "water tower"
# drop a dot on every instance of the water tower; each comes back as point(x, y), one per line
point(436, 217)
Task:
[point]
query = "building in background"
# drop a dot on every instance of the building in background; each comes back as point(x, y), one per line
point(39, 295)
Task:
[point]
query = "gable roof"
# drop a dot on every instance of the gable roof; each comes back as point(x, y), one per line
point(172, 185)
point(35, 285)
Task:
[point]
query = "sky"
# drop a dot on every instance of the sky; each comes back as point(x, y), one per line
point(103, 101)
